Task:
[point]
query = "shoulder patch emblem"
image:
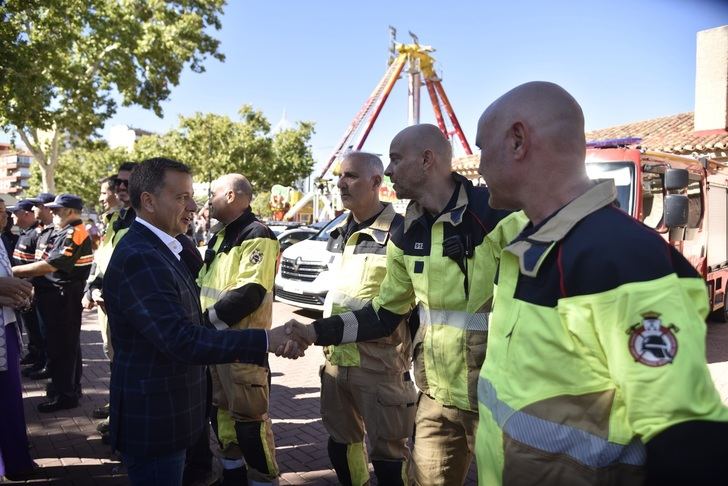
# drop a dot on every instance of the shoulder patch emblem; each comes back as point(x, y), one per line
point(256, 257)
point(651, 342)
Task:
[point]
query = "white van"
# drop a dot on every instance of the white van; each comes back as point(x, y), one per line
point(303, 277)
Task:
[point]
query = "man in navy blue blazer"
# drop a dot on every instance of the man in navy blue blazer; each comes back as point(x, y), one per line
point(158, 384)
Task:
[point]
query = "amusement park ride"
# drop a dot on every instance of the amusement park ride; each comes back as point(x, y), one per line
point(417, 62)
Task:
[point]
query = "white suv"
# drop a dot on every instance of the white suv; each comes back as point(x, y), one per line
point(303, 277)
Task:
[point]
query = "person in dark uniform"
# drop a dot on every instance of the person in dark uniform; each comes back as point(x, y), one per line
point(25, 253)
point(66, 264)
point(45, 231)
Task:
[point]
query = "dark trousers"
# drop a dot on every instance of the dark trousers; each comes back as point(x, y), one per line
point(13, 437)
point(60, 310)
point(164, 470)
point(36, 342)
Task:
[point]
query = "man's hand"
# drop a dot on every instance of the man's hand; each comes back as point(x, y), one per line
point(303, 333)
point(282, 342)
point(87, 303)
point(98, 299)
point(15, 292)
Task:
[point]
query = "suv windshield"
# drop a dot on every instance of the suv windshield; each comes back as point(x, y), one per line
point(323, 235)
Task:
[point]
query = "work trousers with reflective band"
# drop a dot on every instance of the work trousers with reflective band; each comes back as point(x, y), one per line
point(444, 444)
point(355, 400)
point(240, 392)
point(251, 441)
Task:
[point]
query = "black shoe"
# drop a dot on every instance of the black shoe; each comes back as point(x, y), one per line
point(34, 368)
point(103, 427)
point(43, 374)
point(58, 403)
point(101, 412)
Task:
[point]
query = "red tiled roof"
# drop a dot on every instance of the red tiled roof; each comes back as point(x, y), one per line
point(673, 134)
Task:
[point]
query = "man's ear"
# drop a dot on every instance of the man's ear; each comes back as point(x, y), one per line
point(376, 180)
point(147, 202)
point(428, 159)
point(520, 140)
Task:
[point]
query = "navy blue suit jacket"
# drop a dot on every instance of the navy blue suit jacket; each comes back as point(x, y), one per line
point(158, 384)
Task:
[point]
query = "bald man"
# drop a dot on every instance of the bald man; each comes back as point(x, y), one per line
point(443, 256)
point(236, 284)
point(365, 386)
point(595, 372)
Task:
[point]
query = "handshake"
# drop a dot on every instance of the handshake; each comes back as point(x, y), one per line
point(291, 339)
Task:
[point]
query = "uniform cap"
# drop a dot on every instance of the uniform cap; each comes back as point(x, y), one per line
point(66, 201)
point(23, 204)
point(42, 198)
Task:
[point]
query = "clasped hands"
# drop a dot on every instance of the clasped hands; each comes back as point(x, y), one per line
point(16, 293)
point(291, 339)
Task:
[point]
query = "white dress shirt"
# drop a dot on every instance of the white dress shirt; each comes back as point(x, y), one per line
point(171, 242)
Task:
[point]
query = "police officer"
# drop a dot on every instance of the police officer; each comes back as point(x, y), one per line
point(365, 386)
point(66, 266)
point(444, 255)
point(596, 371)
point(236, 284)
point(25, 253)
point(45, 228)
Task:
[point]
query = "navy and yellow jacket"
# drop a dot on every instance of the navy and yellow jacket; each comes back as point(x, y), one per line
point(596, 354)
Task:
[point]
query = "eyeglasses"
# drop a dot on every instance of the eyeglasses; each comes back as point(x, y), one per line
point(121, 182)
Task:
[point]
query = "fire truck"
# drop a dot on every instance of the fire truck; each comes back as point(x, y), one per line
point(683, 199)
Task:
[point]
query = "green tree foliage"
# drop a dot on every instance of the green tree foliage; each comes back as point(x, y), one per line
point(261, 205)
point(214, 145)
point(65, 63)
point(79, 171)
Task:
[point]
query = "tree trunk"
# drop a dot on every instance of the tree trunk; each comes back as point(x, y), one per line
point(47, 176)
point(45, 155)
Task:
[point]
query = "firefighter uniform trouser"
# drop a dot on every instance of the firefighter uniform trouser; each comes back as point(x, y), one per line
point(353, 400)
point(60, 310)
point(240, 418)
point(444, 443)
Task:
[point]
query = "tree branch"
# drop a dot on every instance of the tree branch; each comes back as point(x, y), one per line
point(34, 148)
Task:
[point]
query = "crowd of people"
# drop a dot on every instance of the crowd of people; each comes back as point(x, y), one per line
point(595, 367)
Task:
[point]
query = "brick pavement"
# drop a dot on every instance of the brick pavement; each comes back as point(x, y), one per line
point(69, 449)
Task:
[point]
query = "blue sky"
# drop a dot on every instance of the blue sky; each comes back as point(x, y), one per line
point(319, 60)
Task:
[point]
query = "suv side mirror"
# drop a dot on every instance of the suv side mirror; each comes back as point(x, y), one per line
point(676, 179)
point(676, 210)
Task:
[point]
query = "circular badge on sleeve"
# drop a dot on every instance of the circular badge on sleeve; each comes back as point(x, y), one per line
point(651, 342)
point(256, 257)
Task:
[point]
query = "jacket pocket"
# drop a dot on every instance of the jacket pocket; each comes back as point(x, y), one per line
point(397, 407)
point(249, 391)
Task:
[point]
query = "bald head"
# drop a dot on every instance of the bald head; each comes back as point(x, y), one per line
point(424, 137)
point(552, 116)
point(231, 196)
point(236, 183)
point(532, 148)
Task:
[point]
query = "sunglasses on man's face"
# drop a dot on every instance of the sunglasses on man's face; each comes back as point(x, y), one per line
point(121, 182)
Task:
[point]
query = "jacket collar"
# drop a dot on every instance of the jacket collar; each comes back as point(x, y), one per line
point(453, 215)
point(238, 224)
point(378, 230)
point(532, 250)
